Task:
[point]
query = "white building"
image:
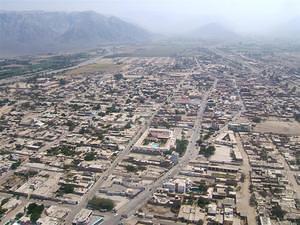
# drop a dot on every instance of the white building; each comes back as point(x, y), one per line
point(83, 217)
point(170, 186)
point(178, 185)
point(240, 127)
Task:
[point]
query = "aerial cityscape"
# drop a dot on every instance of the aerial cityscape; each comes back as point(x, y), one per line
point(143, 130)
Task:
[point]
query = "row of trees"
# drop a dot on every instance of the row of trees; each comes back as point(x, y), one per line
point(102, 204)
point(34, 211)
point(132, 168)
point(181, 146)
point(207, 151)
point(63, 149)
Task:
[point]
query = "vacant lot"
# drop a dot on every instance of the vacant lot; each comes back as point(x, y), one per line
point(158, 210)
point(278, 127)
point(103, 65)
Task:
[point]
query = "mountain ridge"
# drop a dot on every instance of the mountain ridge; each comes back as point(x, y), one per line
point(213, 31)
point(40, 31)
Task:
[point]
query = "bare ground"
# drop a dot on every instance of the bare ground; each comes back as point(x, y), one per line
point(278, 127)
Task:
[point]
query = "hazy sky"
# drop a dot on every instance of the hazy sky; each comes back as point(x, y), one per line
point(177, 15)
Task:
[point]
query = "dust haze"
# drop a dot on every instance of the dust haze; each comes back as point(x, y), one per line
point(169, 17)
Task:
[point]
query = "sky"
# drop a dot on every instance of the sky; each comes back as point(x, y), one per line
point(177, 16)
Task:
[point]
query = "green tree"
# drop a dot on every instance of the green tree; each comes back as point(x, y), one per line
point(35, 211)
point(207, 136)
point(128, 125)
point(131, 168)
point(200, 222)
point(297, 117)
point(90, 156)
point(264, 155)
point(202, 202)
point(256, 119)
point(71, 125)
point(118, 76)
point(4, 201)
point(181, 146)
point(2, 211)
point(67, 188)
point(202, 188)
point(252, 200)
point(278, 212)
point(243, 176)
point(207, 151)
point(19, 215)
point(199, 141)
point(62, 82)
point(101, 204)
point(15, 165)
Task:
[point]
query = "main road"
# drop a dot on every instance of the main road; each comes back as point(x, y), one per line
point(87, 196)
point(191, 152)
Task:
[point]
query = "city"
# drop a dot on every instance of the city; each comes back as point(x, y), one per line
point(125, 136)
point(149, 112)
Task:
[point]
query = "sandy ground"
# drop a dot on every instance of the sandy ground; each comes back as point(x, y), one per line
point(278, 127)
point(5, 109)
point(102, 65)
point(243, 196)
point(157, 209)
point(222, 154)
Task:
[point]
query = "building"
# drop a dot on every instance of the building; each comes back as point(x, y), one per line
point(191, 214)
point(174, 157)
point(178, 185)
point(83, 217)
point(240, 127)
point(155, 141)
point(264, 220)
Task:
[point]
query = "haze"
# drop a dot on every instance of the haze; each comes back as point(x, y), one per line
point(178, 16)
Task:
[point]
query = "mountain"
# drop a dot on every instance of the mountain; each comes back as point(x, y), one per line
point(214, 32)
point(40, 32)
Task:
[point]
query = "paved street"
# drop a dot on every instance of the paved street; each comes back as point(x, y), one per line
point(191, 152)
point(89, 195)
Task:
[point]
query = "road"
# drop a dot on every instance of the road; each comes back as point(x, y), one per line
point(47, 146)
point(86, 197)
point(235, 117)
point(84, 201)
point(191, 152)
point(244, 194)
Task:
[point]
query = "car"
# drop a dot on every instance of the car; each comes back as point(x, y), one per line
point(103, 210)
